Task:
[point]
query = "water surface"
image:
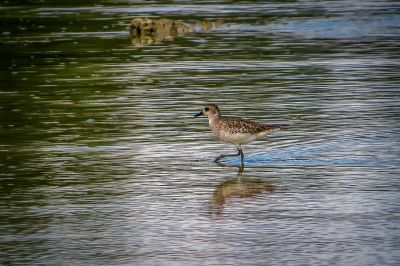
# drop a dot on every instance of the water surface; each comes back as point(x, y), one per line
point(102, 161)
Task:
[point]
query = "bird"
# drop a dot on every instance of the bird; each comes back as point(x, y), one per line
point(235, 130)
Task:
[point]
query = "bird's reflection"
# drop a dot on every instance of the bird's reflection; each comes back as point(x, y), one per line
point(238, 187)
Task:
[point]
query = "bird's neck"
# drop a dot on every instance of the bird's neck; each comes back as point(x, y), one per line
point(214, 119)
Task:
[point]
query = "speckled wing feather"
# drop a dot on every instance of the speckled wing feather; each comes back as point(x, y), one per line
point(235, 125)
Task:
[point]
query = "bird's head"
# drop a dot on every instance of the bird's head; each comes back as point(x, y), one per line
point(210, 110)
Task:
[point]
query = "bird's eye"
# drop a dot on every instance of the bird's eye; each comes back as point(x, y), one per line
point(206, 109)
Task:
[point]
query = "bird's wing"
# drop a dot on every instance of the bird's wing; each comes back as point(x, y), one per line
point(237, 125)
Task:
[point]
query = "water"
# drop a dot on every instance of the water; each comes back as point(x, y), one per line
point(102, 162)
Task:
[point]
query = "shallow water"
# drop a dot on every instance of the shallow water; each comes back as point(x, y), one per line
point(102, 161)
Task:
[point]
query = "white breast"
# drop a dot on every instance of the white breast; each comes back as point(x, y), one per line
point(240, 138)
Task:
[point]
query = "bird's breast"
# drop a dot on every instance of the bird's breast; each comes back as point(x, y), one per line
point(237, 138)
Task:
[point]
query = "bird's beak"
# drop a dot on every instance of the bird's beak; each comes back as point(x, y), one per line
point(199, 114)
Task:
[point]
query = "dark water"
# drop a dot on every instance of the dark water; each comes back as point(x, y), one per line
point(102, 162)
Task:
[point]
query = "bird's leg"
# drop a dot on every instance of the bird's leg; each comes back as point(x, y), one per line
point(229, 155)
point(240, 172)
point(241, 154)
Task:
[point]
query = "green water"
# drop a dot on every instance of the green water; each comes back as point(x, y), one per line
point(102, 162)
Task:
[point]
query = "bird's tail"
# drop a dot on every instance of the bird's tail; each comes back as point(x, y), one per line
point(283, 126)
point(275, 127)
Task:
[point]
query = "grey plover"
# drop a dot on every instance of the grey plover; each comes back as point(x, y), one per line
point(235, 130)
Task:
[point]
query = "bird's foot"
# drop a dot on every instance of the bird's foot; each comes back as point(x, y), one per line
point(218, 158)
